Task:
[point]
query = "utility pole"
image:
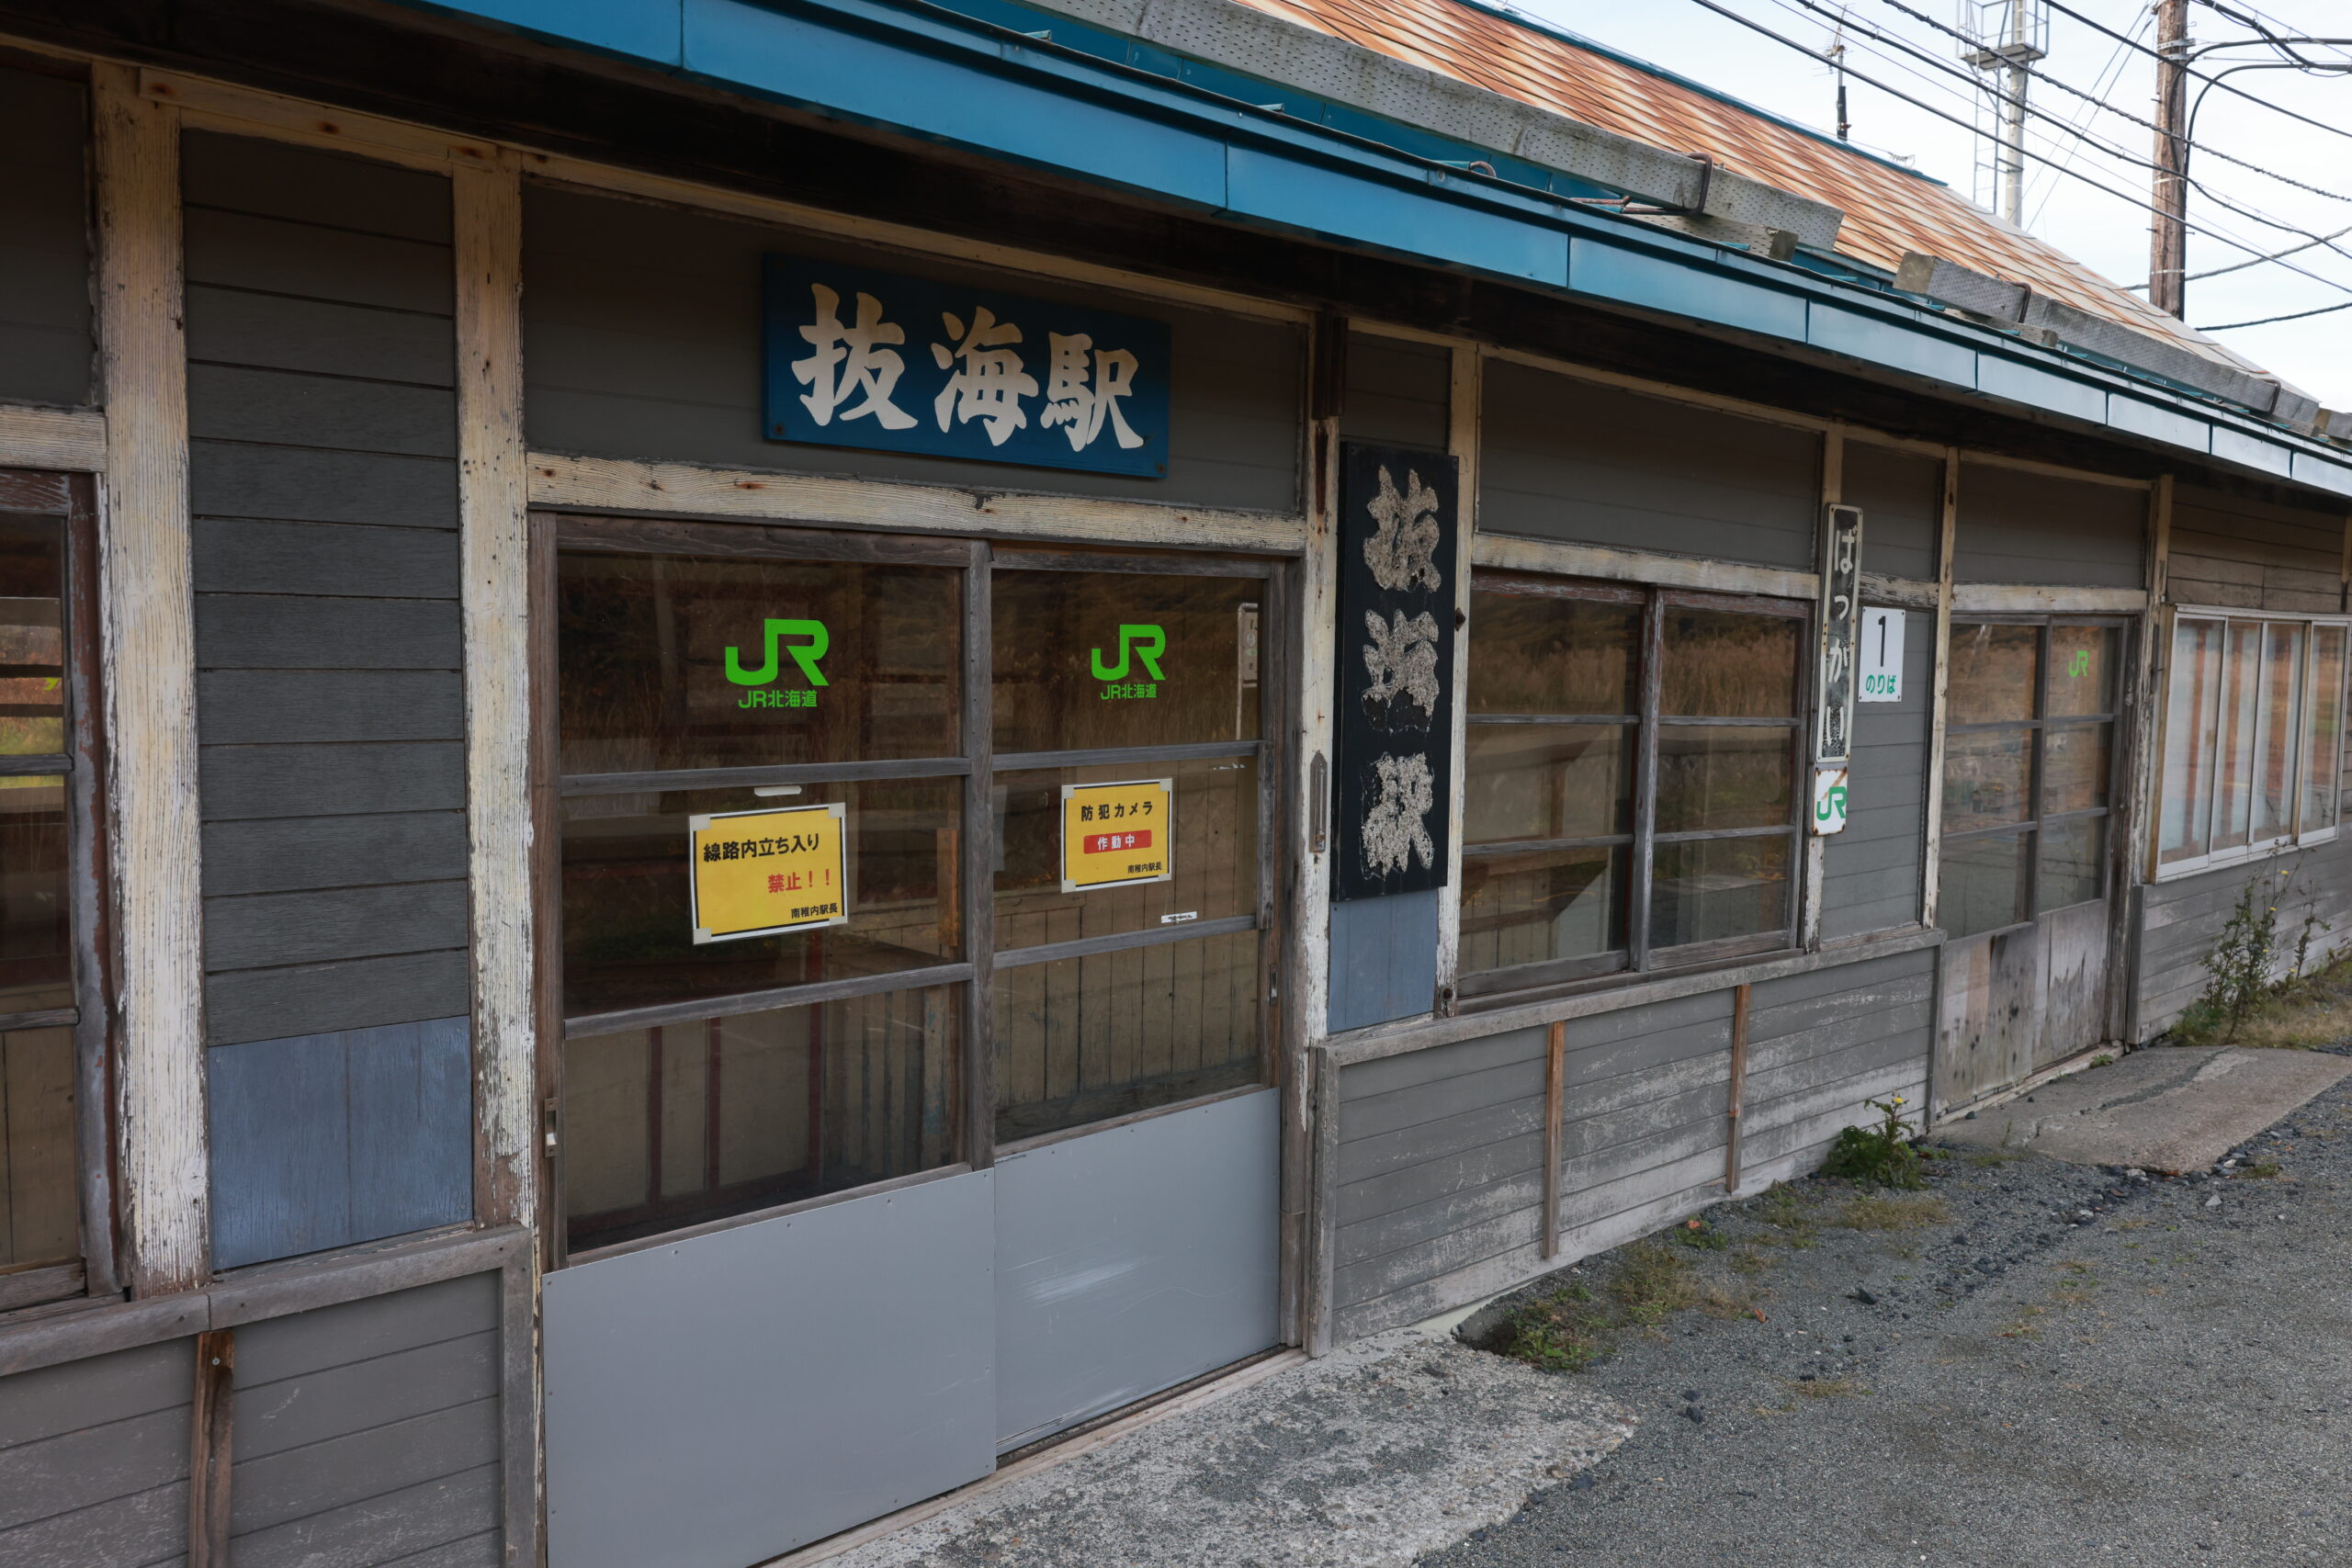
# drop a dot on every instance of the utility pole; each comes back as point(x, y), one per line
point(2168, 232)
point(2010, 48)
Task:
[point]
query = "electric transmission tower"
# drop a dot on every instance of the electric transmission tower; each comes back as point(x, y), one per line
point(2003, 38)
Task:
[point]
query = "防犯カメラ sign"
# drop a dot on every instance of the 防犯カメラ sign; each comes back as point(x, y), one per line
point(1114, 834)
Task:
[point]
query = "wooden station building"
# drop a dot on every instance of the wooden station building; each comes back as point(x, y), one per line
point(755, 749)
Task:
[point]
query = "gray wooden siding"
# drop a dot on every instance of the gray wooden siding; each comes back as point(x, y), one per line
point(2253, 555)
point(1440, 1174)
point(324, 1140)
point(1384, 958)
point(45, 343)
point(329, 700)
point(1398, 391)
point(1565, 459)
point(641, 340)
point(1870, 873)
point(367, 1433)
point(94, 1458)
point(2180, 920)
point(2016, 526)
point(1901, 498)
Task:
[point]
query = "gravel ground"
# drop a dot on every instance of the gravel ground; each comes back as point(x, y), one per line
point(2078, 1365)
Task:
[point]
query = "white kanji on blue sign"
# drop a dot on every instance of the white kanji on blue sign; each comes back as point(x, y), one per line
point(856, 358)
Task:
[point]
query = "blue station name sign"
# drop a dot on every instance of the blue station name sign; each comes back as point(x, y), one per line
point(886, 363)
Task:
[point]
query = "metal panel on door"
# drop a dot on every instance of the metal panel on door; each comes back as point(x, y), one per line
point(714, 1402)
point(1133, 1259)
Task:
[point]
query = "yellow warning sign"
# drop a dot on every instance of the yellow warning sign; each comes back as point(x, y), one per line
point(1114, 834)
point(757, 873)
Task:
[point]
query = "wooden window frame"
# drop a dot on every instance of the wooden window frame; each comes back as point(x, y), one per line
point(2297, 837)
point(1637, 959)
point(554, 533)
point(72, 498)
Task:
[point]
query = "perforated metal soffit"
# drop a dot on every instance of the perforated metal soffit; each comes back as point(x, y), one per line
point(1475, 76)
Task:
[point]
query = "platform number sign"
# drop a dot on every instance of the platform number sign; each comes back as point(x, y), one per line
point(1841, 604)
point(1882, 657)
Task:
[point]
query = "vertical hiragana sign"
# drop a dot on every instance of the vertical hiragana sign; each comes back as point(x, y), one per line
point(856, 358)
point(1398, 516)
point(1842, 609)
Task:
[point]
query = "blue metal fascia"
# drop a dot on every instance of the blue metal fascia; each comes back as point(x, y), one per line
point(916, 69)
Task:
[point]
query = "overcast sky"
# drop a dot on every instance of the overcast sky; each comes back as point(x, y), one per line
point(2108, 233)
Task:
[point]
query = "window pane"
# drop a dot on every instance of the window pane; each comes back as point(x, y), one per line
point(1533, 654)
point(2075, 766)
point(1713, 777)
point(1991, 677)
point(1987, 779)
point(2322, 725)
point(1214, 854)
point(1711, 889)
point(1088, 659)
point(2282, 684)
point(2072, 863)
point(694, 1121)
point(1981, 887)
point(32, 649)
point(2233, 799)
point(676, 661)
point(628, 924)
point(1547, 781)
point(2082, 670)
point(1720, 664)
point(36, 932)
point(40, 1199)
point(1526, 909)
point(2191, 724)
point(1089, 1038)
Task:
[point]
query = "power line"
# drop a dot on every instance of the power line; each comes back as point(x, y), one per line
point(2258, 261)
point(2296, 316)
point(2200, 76)
point(2100, 85)
point(2124, 196)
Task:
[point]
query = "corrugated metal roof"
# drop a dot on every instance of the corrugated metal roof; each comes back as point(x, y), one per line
point(1889, 210)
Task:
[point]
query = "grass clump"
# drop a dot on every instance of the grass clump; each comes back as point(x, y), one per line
point(1883, 1155)
point(1869, 1213)
point(2257, 990)
point(1825, 1388)
point(1700, 1235)
point(1568, 1330)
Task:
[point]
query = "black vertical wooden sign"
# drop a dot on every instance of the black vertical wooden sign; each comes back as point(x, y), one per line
point(1841, 613)
point(1399, 509)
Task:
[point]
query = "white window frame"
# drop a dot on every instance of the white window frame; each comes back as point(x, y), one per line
point(2297, 837)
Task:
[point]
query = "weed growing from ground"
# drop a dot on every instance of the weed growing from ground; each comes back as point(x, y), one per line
point(1880, 1155)
point(1875, 1213)
point(1700, 1235)
point(1569, 1329)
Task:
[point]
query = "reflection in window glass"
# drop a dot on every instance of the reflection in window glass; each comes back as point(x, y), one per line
point(1543, 905)
point(1084, 1039)
point(694, 1121)
point(2191, 723)
point(2075, 766)
point(1712, 777)
point(1092, 659)
point(1716, 889)
point(1981, 884)
point(1212, 856)
point(2322, 727)
point(2082, 670)
point(2233, 791)
point(39, 1201)
point(1542, 782)
point(628, 921)
point(677, 662)
point(1988, 779)
point(35, 928)
point(1568, 655)
point(2282, 685)
point(2073, 869)
point(1719, 664)
point(32, 647)
point(1991, 675)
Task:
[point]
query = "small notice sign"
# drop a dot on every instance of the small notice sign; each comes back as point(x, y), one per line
point(1828, 800)
point(759, 872)
point(1882, 657)
point(1115, 834)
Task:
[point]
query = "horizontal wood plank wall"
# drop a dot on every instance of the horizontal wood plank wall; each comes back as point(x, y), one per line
point(1566, 460)
point(1870, 872)
point(94, 1458)
point(329, 708)
point(2180, 920)
point(641, 340)
point(1901, 498)
point(2253, 555)
point(1440, 1168)
point(367, 1433)
point(45, 341)
point(2020, 527)
point(1397, 391)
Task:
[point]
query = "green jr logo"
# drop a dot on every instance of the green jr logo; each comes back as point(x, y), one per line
point(1145, 643)
point(804, 654)
point(2080, 664)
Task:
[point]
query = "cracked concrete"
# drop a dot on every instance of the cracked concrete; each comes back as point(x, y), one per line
point(1387, 1449)
point(2171, 1108)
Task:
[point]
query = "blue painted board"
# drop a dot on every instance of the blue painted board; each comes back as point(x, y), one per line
point(857, 357)
point(1695, 288)
point(1384, 958)
point(324, 1140)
